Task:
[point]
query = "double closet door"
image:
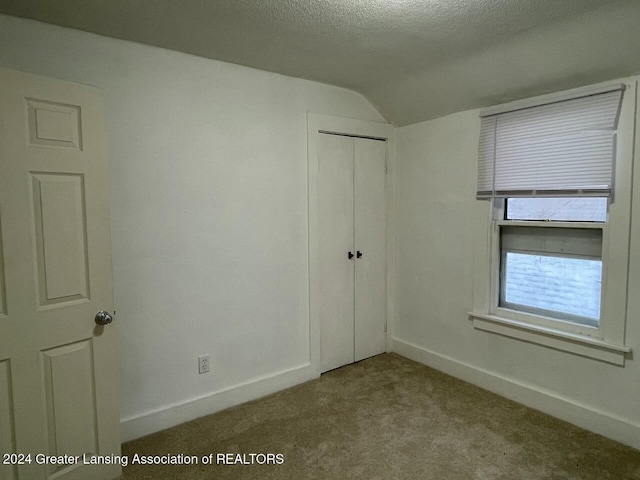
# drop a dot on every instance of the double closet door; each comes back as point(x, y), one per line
point(352, 243)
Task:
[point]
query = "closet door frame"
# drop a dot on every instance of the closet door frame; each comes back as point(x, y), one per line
point(322, 124)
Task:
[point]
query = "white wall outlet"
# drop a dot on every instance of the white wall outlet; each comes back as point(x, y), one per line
point(203, 364)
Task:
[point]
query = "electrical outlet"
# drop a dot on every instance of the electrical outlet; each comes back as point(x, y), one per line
point(203, 364)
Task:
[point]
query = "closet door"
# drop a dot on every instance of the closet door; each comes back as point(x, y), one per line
point(370, 243)
point(336, 273)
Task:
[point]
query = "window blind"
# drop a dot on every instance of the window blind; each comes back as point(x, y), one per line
point(561, 148)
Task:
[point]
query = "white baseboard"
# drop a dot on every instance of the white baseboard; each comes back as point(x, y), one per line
point(167, 416)
point(584, 416)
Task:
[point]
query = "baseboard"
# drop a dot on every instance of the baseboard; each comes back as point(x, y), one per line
point(167, 416)
point(584, 416)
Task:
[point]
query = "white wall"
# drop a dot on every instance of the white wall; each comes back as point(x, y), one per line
point(209, 215)
point(437, 220)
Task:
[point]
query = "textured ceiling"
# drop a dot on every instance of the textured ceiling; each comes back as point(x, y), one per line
point(413, 59)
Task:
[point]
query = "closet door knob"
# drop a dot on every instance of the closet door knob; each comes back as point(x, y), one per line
point(358, 254)
point(350, 255)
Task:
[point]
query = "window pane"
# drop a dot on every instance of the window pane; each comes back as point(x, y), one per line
point(572, 209)
point(557, 284)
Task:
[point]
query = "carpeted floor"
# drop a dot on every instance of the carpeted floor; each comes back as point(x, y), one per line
point(387, 418)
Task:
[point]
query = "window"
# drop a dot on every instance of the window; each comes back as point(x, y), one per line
point(549, 258)
point(549, 169)
point(562, 287)
point(552, 271)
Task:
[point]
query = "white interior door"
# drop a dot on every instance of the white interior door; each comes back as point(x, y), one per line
point(58, 383)
point(352, 245)
point(370, 244)
point(336, 282)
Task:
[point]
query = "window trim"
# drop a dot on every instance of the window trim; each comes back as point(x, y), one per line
point(560, 340)
point(609, 336)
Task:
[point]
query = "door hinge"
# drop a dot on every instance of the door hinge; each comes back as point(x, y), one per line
point(386, 168)
point(385, 327)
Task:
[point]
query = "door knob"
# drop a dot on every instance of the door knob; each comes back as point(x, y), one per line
point(103, 318)
point(350, 255)
point(358, 254)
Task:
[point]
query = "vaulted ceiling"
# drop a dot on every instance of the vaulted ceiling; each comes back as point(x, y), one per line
point(413, 59)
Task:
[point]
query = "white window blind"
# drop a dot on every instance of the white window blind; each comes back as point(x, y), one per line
point(562, 148)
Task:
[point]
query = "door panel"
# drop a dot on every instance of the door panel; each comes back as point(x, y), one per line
point(60, 236)
point(68, 386)
point(370, 240)
point(53, 124)
point(336, 281)
point(54, 214)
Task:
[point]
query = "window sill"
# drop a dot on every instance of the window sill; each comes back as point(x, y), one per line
point(557, 339)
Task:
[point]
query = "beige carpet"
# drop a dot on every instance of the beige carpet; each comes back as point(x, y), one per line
point(387, 418)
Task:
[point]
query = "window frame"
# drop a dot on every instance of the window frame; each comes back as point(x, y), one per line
point(605, 342)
